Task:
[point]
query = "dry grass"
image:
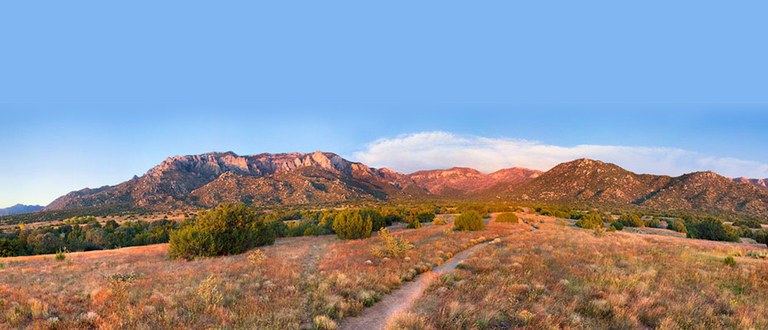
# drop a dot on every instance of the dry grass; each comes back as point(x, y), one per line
point(563, 277)
point(351, 277)
point(84, 292)
point(556, 276)
point(298, 282)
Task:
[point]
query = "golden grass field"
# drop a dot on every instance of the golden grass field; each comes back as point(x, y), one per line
point(300, 278)
point(555, 277)
point(564, 277)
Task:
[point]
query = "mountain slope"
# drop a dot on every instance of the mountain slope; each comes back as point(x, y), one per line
point(761, 183)
point(709, 191)
point(587, 180)
point(596, 182)
point(183, 180)
point(462, 181)
point(321, 177)
point(20, 209)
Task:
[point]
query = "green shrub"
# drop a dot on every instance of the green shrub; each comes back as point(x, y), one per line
point(507, 217)
point(352, 225)
point(631, 220)
point(749, 222)
point(469, 220)
point(61, 255)
point(425, 216)
point(617, 225)
point(377, 219)
point(678, 226)
point(744, 231)
point(730, 261)
point(557, 213)
point(439, 221)
point(392, 218)
point(761, 236)
point(711, 229)
point(10, 247)
point(590, 221)
point(227, 229)
point(653, 223)
point(394, 246)
point(414, 224)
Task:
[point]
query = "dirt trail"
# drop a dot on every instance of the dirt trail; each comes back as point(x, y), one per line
point(402, 299)
point(312, 260)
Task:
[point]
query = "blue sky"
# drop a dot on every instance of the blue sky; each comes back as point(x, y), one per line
point(92, 93)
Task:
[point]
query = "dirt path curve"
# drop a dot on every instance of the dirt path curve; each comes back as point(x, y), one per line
point(376, 316)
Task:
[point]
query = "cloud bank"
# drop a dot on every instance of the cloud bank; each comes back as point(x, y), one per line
point(431, 150)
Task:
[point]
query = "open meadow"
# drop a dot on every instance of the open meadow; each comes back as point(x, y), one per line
point(564, 277)
point(286, 285)
point(540, 273)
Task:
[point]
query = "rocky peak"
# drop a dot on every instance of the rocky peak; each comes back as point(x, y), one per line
point(760, 183)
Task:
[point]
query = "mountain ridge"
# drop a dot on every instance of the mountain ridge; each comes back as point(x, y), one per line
point(205, 180)
point(20, 209)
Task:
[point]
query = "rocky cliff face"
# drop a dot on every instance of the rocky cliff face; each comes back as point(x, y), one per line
point(213, 177)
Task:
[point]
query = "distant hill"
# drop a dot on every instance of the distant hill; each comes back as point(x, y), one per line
point(322, 177)
point(591, 181)
point(20, 209)
point(462, 181)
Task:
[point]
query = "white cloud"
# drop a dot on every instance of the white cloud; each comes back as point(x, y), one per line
point(430, 150)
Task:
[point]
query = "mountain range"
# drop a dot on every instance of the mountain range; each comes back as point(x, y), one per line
point(321, 177)
point(20, 209)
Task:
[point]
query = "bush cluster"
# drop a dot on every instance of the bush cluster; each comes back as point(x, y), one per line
point(748, 222)
point(559, 212)
point(352, 225)
point(414, 224)
point(678, 226)
point(591, 220)
point(224, 230)
point(617, 225)
point(83, 234)
point(711, 229)
point(631, 220)
point(653, 223)
point(507, 217)
point(469, 221)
